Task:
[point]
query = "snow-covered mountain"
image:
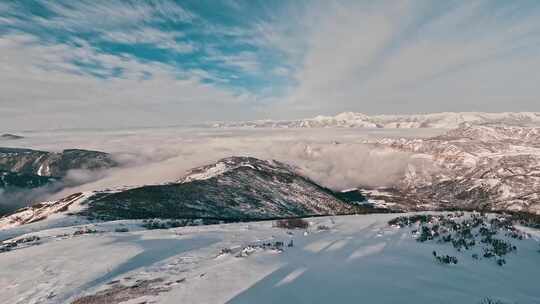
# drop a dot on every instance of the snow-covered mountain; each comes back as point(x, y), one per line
point(232, 189)
point(447, 120)
point(457, 257)
point(25, 174)
point(480, 167)
point(13, 180)
point(52, 164)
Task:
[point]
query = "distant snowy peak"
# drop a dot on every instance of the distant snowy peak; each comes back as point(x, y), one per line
point(231, 163)
point(447, 120)
point(495, 133)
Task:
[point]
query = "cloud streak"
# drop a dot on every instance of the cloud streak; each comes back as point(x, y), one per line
point(419, 56)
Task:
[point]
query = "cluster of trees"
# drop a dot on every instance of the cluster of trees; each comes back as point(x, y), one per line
point(526, 219)
point(9, 245)
point(247, 250)
point(498, 248)
point(292, 223)
point(167, 224)
point(445, 259)
point(491, 301)
point(85, 231)
point(407, 221)
point(159, 224)
point(462, 233)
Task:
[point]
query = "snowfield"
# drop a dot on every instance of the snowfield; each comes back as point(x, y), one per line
point(345, 259)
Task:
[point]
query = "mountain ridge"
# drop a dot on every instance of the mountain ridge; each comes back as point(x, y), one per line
point(444, 120)
point(477, 167)
point(251, 189)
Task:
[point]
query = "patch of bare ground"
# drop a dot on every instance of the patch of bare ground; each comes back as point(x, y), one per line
point(119, 293)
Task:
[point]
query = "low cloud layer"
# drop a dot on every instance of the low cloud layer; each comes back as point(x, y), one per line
point(14, 198)
point(337, 159)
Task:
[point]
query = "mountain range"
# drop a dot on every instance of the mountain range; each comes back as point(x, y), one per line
point(232, 189)
point(489, 167)
point(52, 164)
point(472, 167)
point(447, 120)
point(25, 174)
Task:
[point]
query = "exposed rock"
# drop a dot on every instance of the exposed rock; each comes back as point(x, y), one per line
point(8, 136)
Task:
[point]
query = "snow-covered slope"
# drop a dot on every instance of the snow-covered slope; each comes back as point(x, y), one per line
point(349, 259)
point(49, 212)
point(492, 167)
point(233, 189)
point(358, 120)
point(236, 163)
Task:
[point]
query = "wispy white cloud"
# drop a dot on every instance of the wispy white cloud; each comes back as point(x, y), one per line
point(42, 86)
point(84, 14)
point(157, 38)
point(296, 59)
point(417, 56)
point(244, 60)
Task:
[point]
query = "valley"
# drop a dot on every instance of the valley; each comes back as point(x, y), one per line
point(456, 215)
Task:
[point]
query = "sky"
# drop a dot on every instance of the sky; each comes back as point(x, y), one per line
point(112, 64)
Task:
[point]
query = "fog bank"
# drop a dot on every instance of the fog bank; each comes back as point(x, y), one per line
point(336, 158)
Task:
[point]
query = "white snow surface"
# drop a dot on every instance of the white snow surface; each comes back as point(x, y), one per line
point(360, 259)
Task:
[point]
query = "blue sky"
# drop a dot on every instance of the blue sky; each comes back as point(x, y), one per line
point(218, 40)
point(69, 64)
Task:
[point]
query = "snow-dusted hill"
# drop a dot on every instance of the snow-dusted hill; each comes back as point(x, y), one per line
point(232, 189)
point(12, 180)
point(44, 163)
point(491, 167)
point(447, 120)
point(26, 174)
point(348, 259)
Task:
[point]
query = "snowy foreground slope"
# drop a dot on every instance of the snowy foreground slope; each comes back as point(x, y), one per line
point(346, 259)
point(447, 120)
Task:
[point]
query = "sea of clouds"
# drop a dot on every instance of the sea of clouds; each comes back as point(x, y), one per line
point(336, 158)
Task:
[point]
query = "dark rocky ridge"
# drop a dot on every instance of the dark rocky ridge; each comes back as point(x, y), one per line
point(52, 164)
point(8, 136)
point(249, 189)
point(27, 176)
point(20, 180)
point(231, 190)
